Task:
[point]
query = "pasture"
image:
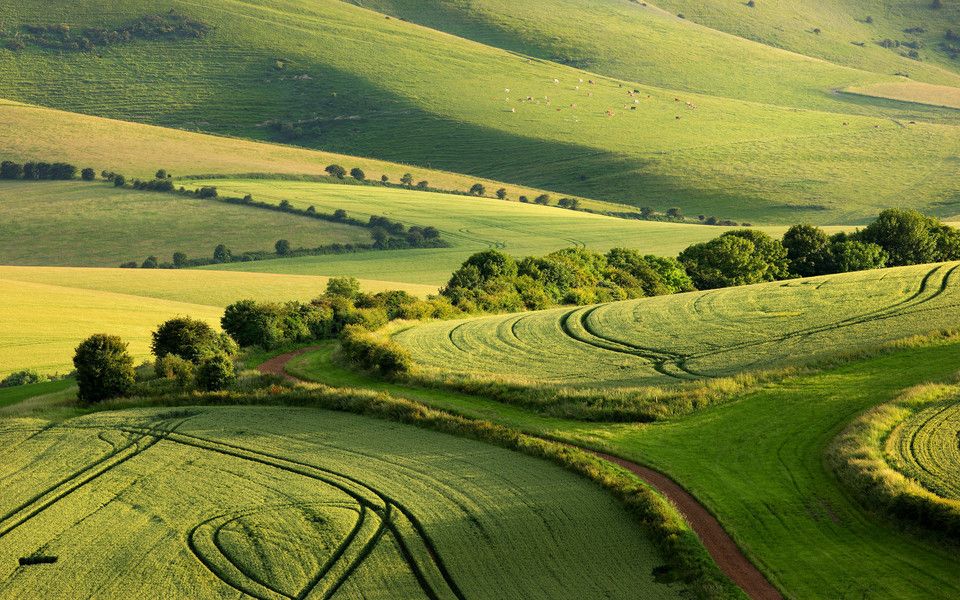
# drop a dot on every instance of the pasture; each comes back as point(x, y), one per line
point(706, 154)
point(96, 225)
point(694, 336)
point(49, 310)
point(297, 503)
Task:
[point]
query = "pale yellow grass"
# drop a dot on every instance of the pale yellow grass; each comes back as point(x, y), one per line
point(912, 91)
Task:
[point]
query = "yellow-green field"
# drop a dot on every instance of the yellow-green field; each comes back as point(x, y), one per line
point(926, 448)
point(912, 91)
point(97, 225)
point(49, 310)
point(279, 503)
point(693, 336)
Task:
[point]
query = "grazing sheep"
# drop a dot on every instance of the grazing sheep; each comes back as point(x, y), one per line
point(556, 81)
point(609, 113)
point(513, 110)
point(678, 117)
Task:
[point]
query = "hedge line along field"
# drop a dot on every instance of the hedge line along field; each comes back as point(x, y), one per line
point(758, 464)
point(469, 224)
point(693, 336)
point(287, 503)
point(137, 150)
point(294, 62)
point(49, 310)
point(926, 448)
point(97, 225)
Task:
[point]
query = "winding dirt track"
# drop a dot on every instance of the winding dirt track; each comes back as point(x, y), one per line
point(724, 551)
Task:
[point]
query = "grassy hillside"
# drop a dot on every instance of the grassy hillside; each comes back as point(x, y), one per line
point(648, 44)
point(277, 503)
point(95, 224)
point(296, 61)
point(51, 310)
point(695, 336)
point(758, 465)
point(469, 224)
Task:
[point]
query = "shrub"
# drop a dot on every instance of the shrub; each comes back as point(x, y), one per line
point(543, 199)
point(104, 368)
point(282, 247)
point(384, 179)
point(207, 192)
point(478, 189)
point(374, 353)
point(119, 180)
point(179, 259)
point(407, 179)
point(215, 373)
point(24, 377)
point(10, 170)
point(88, 174)
point(178, 369)
point(190, 339)
point(150, 263)
point(339, 215)
point(344, 287)
point(285, 205)
point(422, 185)
point(674, 213)
point(571, 203)
point(161, 174)
point(222, 254)
point(502, 193)
point(336, 171)
point(358, 174)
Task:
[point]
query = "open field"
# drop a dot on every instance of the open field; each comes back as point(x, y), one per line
point(913, 91)
point(693, 336)
point(758, 465)
point(51, 309)
point(926, 448)
point(96, 225)
point(138, 150)
point(646, 43)
point(12, 395)
point(283, 503)
point(469, 224)
point(295, 61)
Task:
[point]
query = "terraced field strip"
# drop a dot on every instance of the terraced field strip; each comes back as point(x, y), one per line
point(301, 504)
point(926, 447)
point(696, 335)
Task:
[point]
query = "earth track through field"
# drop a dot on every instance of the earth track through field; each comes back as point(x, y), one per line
point(724, 551)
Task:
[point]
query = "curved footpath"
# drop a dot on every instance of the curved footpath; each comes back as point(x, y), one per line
point(724, 551)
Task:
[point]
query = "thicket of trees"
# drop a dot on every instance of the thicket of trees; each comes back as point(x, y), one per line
point(36, 171)
point(274, 324)
point(494, 281)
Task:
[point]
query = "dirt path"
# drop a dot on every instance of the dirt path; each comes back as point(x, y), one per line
point(718, 543)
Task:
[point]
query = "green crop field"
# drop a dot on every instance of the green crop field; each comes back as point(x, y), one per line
point(296, 61)
point(297, 503)
point(62, 220)
point(698, 335)
point(926, 447)
point(758, 465)
point(49, 310)
point(469, 224)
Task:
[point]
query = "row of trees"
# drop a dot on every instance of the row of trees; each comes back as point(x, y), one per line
point(494, 281)
point(896, 238)
point(36, 171)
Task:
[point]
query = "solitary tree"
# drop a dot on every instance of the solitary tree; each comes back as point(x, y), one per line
point(384, 179)
point(423, 184)
point(119, 180)
point(151, 263)
point(179, 259)
point(162, 174)
point(477, 189)
point(88, 174)
point(502, 193)
point(542, 199)
point(282, 247)
point(674, 213)
point(358, 174)
point(104, 368)
point(407, 179)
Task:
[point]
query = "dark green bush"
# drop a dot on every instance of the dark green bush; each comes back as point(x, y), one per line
point(104, 368)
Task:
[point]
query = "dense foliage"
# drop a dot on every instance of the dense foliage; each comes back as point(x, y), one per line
point(169, 26)
point(104, 368)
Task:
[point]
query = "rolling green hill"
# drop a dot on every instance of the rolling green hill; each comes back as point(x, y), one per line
point(283, 503)
point(97, 225)
point(441, 101)
point(692, 337)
